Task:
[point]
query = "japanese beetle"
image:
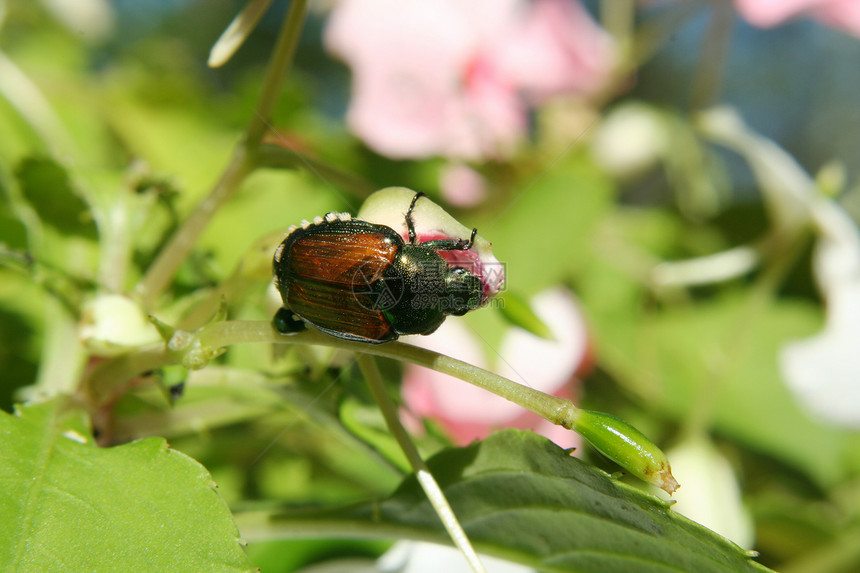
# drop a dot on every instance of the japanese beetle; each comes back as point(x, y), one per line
point(361, 281)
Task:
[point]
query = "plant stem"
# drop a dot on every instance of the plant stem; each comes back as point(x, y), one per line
point(243, 162)
point(106, 379)
point(709, 73)
point(115, 244)
point(784, 254)
point(162, 270)
point(277, 156)
point(428, 483)
point(110, 376)
point(615, 438)
point(279, 65)
point(554, 409)
point(61, 362)
point(617, 17)
point(653, 34)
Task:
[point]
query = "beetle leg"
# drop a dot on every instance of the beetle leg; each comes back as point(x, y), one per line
point(447, 244)
point(452, 244)
point(287, 322)
point(471, 239)
point(410, 223)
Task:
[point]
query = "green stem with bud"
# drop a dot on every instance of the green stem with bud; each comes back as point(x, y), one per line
point(613, 437)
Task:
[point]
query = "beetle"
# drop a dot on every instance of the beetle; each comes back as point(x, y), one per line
point(360, 281)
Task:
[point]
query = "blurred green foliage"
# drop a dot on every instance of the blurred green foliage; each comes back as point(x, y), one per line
point(107, 145)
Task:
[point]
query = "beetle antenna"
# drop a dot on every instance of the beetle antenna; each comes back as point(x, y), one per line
point(410, 223)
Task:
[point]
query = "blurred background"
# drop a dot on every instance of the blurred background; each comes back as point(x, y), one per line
point(672, 187)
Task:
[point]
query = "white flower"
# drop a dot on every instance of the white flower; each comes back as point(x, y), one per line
point(630, 140)
point(824, 370)
point(710, 494)
point(420, 557)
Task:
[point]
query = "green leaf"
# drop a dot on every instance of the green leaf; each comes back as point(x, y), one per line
point(548, 231)
point(518, 312)
point(522, 498)
point(68, 505)
point(47, 187)
point(366, 423)
point(723, 353)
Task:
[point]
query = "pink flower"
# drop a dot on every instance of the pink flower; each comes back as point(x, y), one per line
point(470, 413)
point(557, 49)
point(461, 185)
point(844, 14)
point(455, 77)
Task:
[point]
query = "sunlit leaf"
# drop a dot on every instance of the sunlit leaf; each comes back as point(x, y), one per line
point(137, 507)
point(518, 312)
point(521, 497)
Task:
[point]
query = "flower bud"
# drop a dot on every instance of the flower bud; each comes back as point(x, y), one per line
point(626, 446)
point(112, 324)
point(388, 206)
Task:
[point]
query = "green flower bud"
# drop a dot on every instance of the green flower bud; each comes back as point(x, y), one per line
point(626, 446)
point(112, 324)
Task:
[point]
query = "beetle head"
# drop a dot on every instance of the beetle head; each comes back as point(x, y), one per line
point(464, 290)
